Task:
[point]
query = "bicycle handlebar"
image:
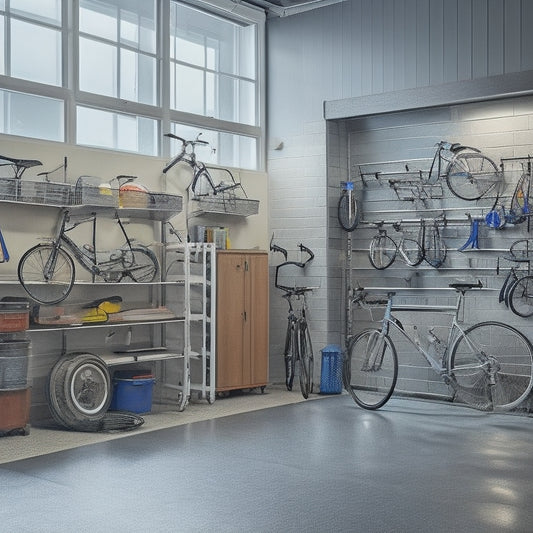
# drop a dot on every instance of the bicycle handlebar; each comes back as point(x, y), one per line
point(299, 264)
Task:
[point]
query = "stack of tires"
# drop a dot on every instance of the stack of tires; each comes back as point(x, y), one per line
point(79, 395)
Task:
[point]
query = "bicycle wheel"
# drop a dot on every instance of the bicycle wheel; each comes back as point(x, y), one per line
point(202, 184)
point(434, 247)
point(305, 356)
point(371, 369)
point(471, 175)
point(347, 211)
point(411, 252)
point(290, 353)
point(31, 273)
point(521, 297)
point(503, 378)
point(141, 265)
point(382, 251)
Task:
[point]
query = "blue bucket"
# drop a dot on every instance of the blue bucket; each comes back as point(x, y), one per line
point(134, 395)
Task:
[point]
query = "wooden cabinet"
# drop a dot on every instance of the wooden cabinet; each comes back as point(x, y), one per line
point(242, 319)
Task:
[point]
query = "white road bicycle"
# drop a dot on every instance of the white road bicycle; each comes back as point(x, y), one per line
point(488, 366)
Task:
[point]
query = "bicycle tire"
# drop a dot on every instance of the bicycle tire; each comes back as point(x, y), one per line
point(305, 356)
point(347, 211)
point(411, 252)
point(434, 247)
point(512, 356)
point(289, 354)
point(520, 297)
point(382, 251)
point(30, 272)
point(141, 265)
point(471, 175)
point(370, 383)
point(202, 183)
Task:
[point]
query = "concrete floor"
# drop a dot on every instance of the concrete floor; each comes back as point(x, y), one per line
point(316, 466)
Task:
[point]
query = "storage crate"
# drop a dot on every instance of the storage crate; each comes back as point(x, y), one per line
point(331, 370)
point(15, 411)
point(132, 394)
point(14, 315)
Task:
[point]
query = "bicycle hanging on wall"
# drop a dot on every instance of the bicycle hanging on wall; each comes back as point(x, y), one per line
point(298, 352)
point(469, 174)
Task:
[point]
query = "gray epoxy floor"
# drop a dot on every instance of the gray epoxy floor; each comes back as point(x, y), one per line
point(317, 466)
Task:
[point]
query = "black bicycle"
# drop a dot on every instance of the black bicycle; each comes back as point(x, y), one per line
point(298, 352)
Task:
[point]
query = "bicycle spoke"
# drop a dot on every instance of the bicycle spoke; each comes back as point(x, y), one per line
point(493, 360)
point(371, 369)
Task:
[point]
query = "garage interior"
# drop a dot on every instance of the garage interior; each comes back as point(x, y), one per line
point(342, 84)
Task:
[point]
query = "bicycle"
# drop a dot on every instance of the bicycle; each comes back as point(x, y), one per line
point(517, 290)
point(46, 271)
point(429, 246)
point(489, 366)
point(298, 353)
point(383, 250)
point(469, 174)
point(347, 211)
point(202, 180)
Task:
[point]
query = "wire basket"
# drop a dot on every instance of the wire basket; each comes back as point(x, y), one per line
point(91, 190)
point(45, 192)
point(36, 192)
point(225, 204)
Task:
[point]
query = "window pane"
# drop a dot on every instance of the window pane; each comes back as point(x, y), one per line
point(138, 24)
point(234, 44)
point(224, 149)
point(31, 116)
point(40, 63)
point(138, 81)
point(189, 90)
point(116, 131)
point(236, 99)
point(98, 18)
point(98, 67)
point(43, 10)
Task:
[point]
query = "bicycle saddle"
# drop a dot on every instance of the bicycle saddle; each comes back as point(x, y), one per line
point(20, 164)
point(462, 287)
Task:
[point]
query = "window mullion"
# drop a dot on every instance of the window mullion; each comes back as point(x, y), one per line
point(164, 73)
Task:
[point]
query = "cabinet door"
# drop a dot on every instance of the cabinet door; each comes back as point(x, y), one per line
point(230, 320)
point(256, 315)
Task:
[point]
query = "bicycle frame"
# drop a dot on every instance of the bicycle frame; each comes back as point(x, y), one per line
point(455, 330)
point(87, 259)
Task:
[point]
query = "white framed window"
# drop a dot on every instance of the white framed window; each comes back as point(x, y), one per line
point(212, 65)
point(141, 68)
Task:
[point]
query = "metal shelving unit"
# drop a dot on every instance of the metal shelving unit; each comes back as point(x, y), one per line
point(194, 264)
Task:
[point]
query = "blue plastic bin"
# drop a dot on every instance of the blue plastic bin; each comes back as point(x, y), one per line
point(134, 395)
point(331, 370)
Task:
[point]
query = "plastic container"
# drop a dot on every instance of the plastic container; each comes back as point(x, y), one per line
point(14, 364)
point(331, 370)
point(15, 411)
point(14, 315)
point(132, 391)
